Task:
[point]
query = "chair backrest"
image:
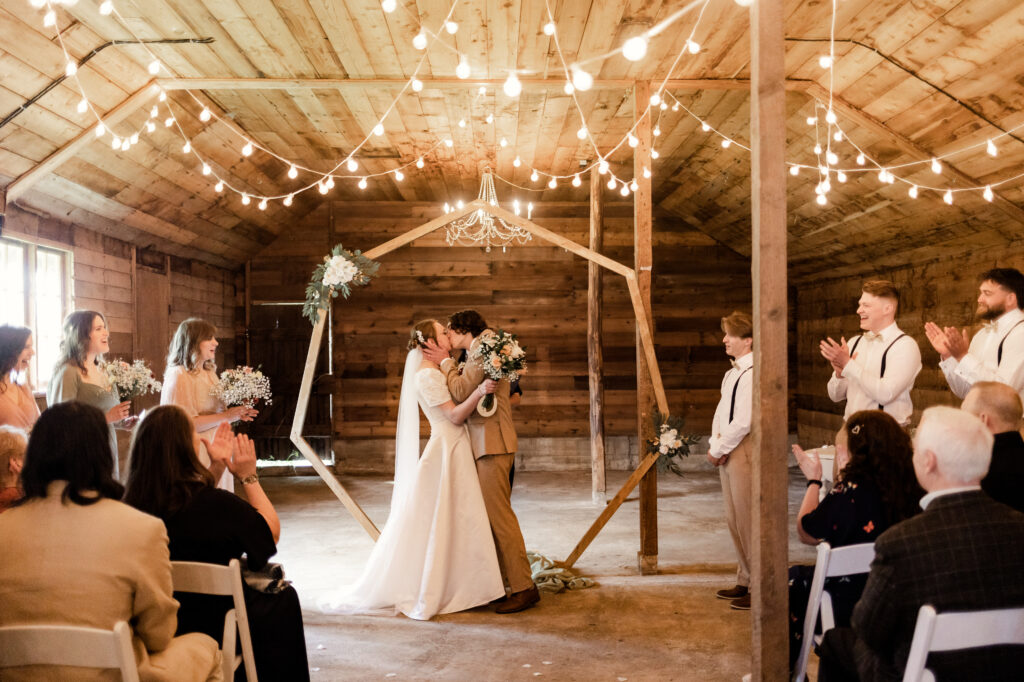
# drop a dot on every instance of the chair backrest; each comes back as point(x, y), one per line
point(831, 563)
point(963, 630)
point(69, 645)
point(214, 579)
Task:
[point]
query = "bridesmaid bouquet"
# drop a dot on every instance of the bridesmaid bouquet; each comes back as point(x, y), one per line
point(132, 380)
point(502, 358)
point(242, 386)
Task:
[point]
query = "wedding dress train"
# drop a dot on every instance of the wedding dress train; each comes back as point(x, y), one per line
point(436, 553)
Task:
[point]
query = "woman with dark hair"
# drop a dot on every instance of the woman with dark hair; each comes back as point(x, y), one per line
point(205, 524)
point(17, 406)
point(877, 488)
point(84, 558)
point(189, 380)
point(78, 376)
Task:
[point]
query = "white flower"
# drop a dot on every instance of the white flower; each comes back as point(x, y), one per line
point(663, 449)
point(340, 270)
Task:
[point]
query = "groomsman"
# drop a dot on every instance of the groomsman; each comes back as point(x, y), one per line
point(996, 353)
point(876, 370)
point(730, 448)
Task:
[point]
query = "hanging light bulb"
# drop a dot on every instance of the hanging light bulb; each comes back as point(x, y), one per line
point(416, 84)
point(692, 46)
point(378, 129)
point(647, 172)
point(115, 142)
point(663, 106)
point(822, 200)
point(459, 204)
point(451, 27)
point(838, 136)
point(860, 159)
point(705, 127)
point(655, 99)
point(126, 145)
point(512, 86)
point(100, 129)
point(245, 199)
point(635, 48)
point(912, 191)
point(462, 70)
point(322, 188)
point(329, 182)
point(576, 182)
point(154, 67)
point(503, 142)
point(162, 97)
point(549, 28)
point(989, 196)
point(150, 126)
point(611, 182)
point(389, 5)
point(832, 158)
point(70, 69)
point(624, 190)
point(675, 107)
point(168, 122)
point(490, 118)
point(811, 120)
point(936, 166)
point(534, 177)
point(50, 18)
point(449, 143)
point(37, 3)
point(134, 138)
point(794, 171)
point(419, 162)
point(633, 140)
point(744, 3)
point(841, 176)
point(154, 112)
point(205, 115)
point(582, 133)
point(263, 204)
point(633, 186)
point(399, 175)
point(447, 207)
point(482, 91)
point(293, 172)
point(219, 187)
point(581, 80)
point(187, 147)
point(247, 149)
point(602, 167)
point(657, 131)
point(825, 61)
point(517, 162)
point(352, 165)
point(817, 149)
point(288, 200)
point(654, 154)
point(420, 41)
point(990, 147)
point(362, 183)
point(83, 106)
point(726, 143)
point(568, 88)
point(948, 197)
point(206, 169)
point(830, 116)
point(552, 183)
point(106, 7)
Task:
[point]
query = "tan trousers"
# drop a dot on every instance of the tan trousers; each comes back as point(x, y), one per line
point(736, 490)
point(508, 538)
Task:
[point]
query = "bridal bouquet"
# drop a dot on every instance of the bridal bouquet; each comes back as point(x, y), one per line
point(670, 443)
point(242, 386)
point(340, 271)
point(501, 357)
point(132, 380)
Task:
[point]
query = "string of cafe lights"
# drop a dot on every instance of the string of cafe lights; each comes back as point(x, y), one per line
point(633, 49)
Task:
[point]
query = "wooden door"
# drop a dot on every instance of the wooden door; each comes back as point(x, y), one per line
point(152, 325)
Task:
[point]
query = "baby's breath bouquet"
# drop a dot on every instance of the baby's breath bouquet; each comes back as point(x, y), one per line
point(340, 271)
point(670, 443)
point(131, 380)
point(501, 357)
point(242, 386)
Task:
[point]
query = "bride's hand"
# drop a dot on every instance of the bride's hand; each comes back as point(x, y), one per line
point(488, 386)
point(434, 353)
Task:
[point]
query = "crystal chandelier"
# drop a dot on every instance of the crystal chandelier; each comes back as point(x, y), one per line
point(480, 228)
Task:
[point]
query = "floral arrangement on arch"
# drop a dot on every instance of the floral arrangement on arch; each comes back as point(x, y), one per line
point(242, 386)
point(340, 271)
point(501, 357)
point(131, 380)
point(670, 443)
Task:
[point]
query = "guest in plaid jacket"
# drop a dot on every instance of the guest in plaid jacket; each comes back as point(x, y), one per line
point(964, 552)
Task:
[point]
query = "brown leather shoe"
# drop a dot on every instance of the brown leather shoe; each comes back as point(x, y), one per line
point(519, 601)
point(499, 600)
point(741, 604)
point(734, 593)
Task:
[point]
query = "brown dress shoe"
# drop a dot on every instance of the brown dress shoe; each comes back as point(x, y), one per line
point(741, 604)
point(519, 601)
point(734, 593)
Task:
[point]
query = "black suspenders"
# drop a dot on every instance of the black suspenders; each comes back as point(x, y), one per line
point(999, 353)
point(881, 374)
point(732, 405)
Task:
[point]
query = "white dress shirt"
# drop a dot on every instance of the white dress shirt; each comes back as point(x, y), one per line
point(863, 387)
point(725, 434)
point(981, 362)
point(927, 499)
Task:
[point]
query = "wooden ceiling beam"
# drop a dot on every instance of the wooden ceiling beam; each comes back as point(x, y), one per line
point(360, 83)
point(122, 111)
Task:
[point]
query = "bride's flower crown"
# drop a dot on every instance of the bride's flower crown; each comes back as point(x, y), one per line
point(419, 337)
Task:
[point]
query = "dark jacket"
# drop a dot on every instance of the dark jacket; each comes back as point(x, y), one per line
point(1005, 480)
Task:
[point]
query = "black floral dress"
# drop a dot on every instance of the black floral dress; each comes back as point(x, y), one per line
point(852, 513)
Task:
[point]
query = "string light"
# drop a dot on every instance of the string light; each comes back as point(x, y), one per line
point(388, 5)
point(692, 46)
point(705, 127)
point(830, 116)
point(948, 197)
point(378, 129)
point(990, 147)
point(988, 193)
point(635, 48)
point(115, 143)
point(106, 7)
point(817, 149)
point(245, 199)
point(263, 204)
point(219, 187)
point(611, 182)
point(50, 18)
point(602, 167)
point(288, 200)
point(420, 41)
point(534, 176)
point(794, 171)
point(517, 162)
point(70, 69)
point(811, 120)
point(247, 149)
point(568, 88)
point(582, 133)
point(633, 140)
point(581, 80)
point(624, 190)
point(657, 131)
point(576, 182)
point(416, 84)
point(154, 67)
point(552, 183)
point(512, 87)
point(503, 142)
point(462, 70)
point(912, 191)
point(825, 62)
point(352, 165)
point(293, 172)
point(168, 122)
point(838, 136)
point(205, 115)
point(186, 148)
point(419, 162)
point(821, 200)
point(841, 176)
point(399, 175)
point(451, 27)
point(83, 106)
point(362, 183)
point(206, 169)
point(647, 172)
point(936, 166)
point(549, 28)
point(860, 159)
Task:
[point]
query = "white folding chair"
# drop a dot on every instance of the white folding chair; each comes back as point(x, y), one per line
point(831, 563)
point(69, 645)
point(214, 579)
point(964, 630)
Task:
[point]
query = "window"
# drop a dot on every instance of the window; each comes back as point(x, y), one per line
point(35, 292)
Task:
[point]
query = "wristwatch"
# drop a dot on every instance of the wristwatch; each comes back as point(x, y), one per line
point(251, 478)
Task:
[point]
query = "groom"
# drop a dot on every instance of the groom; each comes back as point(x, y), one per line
point(494, 445)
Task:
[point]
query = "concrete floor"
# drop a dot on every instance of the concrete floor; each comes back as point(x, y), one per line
point(668, 626)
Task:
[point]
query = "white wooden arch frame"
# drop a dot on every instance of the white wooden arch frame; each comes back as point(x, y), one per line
point(646, 340)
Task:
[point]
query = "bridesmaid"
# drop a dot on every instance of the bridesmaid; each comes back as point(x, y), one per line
point(78, 376)
point(189, 380)
point(17, 406)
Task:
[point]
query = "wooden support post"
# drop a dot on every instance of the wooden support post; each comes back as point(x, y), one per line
point(769, 660)
point(595, 356)
point(642, 227)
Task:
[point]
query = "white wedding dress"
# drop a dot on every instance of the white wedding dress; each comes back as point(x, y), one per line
point(436, 553)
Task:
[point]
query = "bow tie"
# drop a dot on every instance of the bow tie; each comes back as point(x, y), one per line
point(992, 325)
point(871, 336)
point(735, 365)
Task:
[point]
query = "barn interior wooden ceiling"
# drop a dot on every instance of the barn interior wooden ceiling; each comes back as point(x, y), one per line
point(309, 80)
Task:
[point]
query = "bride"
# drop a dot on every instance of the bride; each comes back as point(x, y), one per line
point(436, 553)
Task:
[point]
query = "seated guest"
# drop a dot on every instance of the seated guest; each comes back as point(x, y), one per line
point(965, 552)
point(166, 479)
point(12, 454)
point(17, 406)
point(999, 407)
point(877, 488)
point(83, 558)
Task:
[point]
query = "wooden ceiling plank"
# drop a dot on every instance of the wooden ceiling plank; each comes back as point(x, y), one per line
point(289, 49)
point(534, 46)
point(237, 22)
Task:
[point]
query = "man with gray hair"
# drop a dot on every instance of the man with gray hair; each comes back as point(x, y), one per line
point(999, 407)
point(964, 552)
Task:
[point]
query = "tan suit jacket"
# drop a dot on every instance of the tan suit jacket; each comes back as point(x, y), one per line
point(494, 435)
point(63, 563)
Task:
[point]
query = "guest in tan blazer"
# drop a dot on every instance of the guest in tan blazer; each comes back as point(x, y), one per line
point(494, 445)
point(73, 554)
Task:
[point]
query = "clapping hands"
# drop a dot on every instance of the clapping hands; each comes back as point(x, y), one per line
point(838, 354)
point(236, 452)
point(810, 463)
point(948, 341)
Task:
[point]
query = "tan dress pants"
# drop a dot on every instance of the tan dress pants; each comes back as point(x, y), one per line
point(736, 490)
point(508, 538)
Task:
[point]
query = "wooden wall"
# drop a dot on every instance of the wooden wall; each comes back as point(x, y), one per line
point(537, 291)
point(943, 291)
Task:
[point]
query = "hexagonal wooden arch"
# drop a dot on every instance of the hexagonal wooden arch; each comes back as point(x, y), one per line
point(646, 340)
